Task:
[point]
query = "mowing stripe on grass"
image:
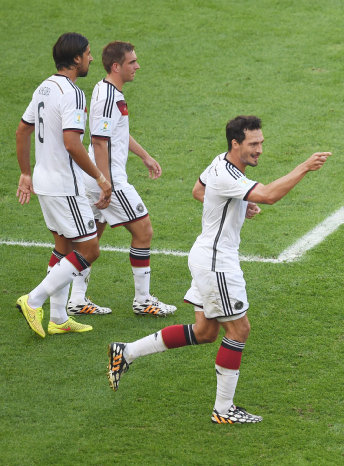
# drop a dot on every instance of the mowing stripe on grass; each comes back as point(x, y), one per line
point(293, 253)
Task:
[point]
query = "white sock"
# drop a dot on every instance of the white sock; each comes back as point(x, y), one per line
point(58, 302)
point(227, 380)
point(79, 287)
point(148, 345)
point(60, 275)
point(142, 283)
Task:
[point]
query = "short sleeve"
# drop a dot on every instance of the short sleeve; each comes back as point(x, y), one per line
point(102, 126)
point(29, 115)
point(203, 176)
point(73, 112)
point(237, 188)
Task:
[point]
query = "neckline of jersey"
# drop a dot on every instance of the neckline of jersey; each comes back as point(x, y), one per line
point(108, 82)
point(228, 161)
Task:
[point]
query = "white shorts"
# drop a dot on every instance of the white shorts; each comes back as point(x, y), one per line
point(126, 206)
point(69, 216)
point(221, 295)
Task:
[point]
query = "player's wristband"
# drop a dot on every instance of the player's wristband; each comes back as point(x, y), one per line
point(101, 179)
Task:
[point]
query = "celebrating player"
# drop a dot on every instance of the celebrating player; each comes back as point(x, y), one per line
point(110, 143)
point(57, 115)
point(218, 289)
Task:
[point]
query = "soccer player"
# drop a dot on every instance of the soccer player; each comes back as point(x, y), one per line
point(110, 143)
point(218, 289)
point(57, 115)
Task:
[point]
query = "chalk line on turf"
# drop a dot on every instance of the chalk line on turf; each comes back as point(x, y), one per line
point(290, 254)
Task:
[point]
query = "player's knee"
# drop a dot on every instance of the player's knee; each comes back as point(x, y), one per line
point(207, 339)
point(242, 333)
point(205, 336)
point(246, 331)
point(147, 233)
point(89, 251)
point(143, 236)
point(96, 254)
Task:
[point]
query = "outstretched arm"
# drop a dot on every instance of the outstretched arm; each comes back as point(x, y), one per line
point(273, 192)
point(152, 165)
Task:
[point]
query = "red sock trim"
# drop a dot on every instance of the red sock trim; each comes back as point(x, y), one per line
point(174, 336)
point(228, 358)
point(139, 262)
point(53, 260)
point(74, 260)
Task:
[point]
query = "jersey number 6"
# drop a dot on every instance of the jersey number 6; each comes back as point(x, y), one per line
point(40, 123)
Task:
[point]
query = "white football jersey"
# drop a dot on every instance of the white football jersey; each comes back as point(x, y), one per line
point(109, 119)
point(224, 209)
point(57, 105)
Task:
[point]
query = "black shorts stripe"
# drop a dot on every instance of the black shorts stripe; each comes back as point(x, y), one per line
point(74, 208)
point(125, 204)
point(225, 299)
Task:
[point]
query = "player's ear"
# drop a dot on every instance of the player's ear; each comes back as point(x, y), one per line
point(115, 67)
point(77, 59)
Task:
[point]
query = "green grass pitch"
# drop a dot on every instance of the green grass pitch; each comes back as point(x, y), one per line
point(202, 63)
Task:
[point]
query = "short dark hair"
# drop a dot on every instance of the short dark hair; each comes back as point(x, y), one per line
point(235, 129)
point(67, 47)
point(114, 52)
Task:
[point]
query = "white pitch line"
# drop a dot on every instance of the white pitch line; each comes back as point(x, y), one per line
point(291, 254)
point(36, 244)
point(313, 237)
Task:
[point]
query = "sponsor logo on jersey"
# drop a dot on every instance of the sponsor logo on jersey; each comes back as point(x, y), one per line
point(243, 180)
point(105, 126)
point(79, 117)
point(122, 107)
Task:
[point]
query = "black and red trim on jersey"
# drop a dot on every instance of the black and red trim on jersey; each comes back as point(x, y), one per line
point(27, 123)
point(110, 100)
point(248, 192)
point(122, 107)
point(75, 130)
